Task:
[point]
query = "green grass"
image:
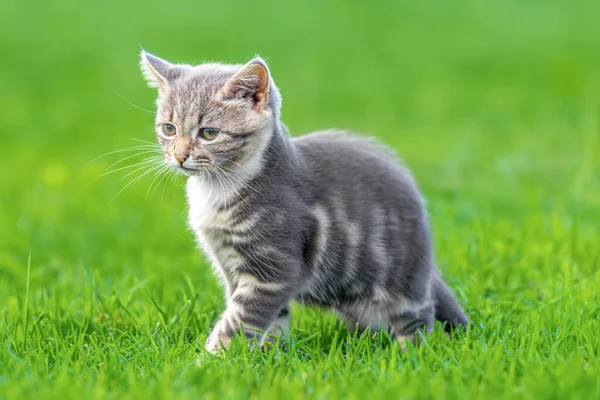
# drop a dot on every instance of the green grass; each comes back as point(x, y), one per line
point(494, 105)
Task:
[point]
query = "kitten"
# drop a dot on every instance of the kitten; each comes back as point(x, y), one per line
point(327, 219)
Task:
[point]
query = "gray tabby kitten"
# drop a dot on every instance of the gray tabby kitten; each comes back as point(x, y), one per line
point(327, 219)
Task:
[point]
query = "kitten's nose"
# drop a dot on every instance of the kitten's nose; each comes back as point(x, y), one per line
point(182, 148)
point(181, 158)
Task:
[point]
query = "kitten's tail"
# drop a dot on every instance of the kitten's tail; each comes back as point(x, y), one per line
point(447, 308)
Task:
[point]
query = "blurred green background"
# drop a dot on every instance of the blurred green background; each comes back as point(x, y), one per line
point(493, 104)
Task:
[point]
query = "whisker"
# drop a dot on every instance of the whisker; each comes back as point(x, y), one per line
point(146, 141)
point(233, 162)
point(132, 148)
point(154, 178)
point(212, 204)
point(133, 181)
point(144, 162)
point(227, 171)
point(164, 175)
point(228, 185)
point(218, 187)
point(159, 173)
point(167, 178)
point(223, 189)
point(133, 105)
point(141, 166)
point(127, 158)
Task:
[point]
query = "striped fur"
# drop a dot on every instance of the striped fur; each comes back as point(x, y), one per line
point(327, 219)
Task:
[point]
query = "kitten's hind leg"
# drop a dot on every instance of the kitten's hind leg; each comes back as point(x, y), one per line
point(408, 323)
point(359, 320)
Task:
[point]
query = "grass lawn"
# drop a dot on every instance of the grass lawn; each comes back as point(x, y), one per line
point(494, 105)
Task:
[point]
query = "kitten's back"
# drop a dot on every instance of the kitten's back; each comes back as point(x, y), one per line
point(343, 161)
point(358, 182)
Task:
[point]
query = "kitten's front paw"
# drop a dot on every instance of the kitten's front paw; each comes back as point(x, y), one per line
point(217, 342)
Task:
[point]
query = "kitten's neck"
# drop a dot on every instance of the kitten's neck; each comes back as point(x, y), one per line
point(220, 189)
point(278, 154)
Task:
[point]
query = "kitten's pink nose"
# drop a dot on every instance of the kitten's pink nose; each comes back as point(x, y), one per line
point(180, 158)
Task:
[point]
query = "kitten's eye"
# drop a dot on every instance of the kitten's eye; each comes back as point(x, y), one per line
point(169, 129)
point(209, 133)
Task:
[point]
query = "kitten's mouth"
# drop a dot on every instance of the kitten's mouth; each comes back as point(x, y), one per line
point(197, 170)
point(188, 171)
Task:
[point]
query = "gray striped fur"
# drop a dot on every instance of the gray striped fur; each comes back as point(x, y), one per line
point(328, 219)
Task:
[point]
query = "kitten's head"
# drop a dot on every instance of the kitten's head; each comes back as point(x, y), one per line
point(213, 116)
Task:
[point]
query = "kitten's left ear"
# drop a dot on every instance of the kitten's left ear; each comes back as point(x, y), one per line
point(159, 72)
point(251, 83)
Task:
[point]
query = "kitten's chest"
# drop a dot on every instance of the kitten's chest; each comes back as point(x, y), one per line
point(206, 201)
point(217, 228)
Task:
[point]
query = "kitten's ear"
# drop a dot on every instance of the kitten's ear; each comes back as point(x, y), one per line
point(251, 83)
point(157, 71)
